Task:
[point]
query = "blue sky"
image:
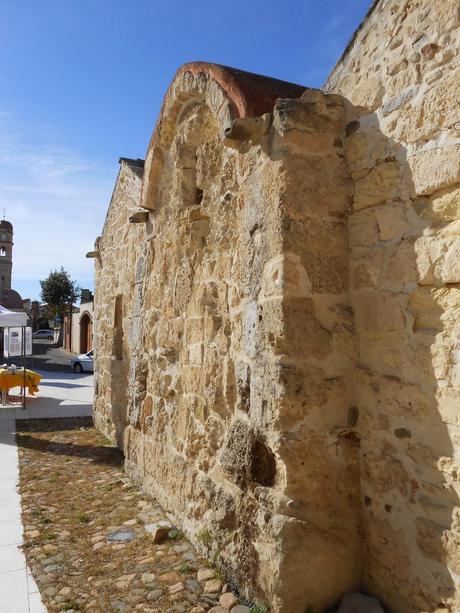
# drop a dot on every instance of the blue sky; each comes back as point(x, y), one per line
point(81, 83)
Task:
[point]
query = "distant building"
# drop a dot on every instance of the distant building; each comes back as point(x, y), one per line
point(40, 315)
point(78, 325)
point(9, 298)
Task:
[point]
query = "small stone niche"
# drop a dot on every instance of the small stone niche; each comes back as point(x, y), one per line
point(263, 464)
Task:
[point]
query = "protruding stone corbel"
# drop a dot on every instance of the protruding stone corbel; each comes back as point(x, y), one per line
point(248, 128)
point(96, 252)
point(139, 217)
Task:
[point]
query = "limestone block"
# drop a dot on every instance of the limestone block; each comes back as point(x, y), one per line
point(378, 186)
point(398, 101)
point(378, 312)
point(392, 221)
point(389, 353)
point(399, 267)
point(448, 399)
point(313, 113)
point(366, 92)
point(438, 260)
point(246, 458)
point(366, 148)
point(364, 275)
point(323, 189)
point(443, 205)
point(284, 275)
point(435, 109)
point(159, 531)
point(196, 352)
point(430, 538)
point(363, 229)
point(307, 144)
point(307, 339)
point(435, 169)
point(385, 473)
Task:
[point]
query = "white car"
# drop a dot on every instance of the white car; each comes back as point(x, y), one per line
point(83, 362)
point(43, 334)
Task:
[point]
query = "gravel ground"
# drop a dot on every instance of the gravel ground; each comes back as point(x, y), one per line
point(79, 510)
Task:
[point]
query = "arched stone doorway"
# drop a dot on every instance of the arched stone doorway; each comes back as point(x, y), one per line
point(86, 333)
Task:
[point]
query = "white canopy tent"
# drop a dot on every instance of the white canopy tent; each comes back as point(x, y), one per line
point(10, 319)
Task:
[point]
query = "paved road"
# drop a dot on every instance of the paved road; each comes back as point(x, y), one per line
point(46, 356)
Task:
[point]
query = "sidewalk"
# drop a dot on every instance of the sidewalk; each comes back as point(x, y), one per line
point(61, 395)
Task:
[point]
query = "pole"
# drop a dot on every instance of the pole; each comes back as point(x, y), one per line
point(70, 331)
point(23, 348)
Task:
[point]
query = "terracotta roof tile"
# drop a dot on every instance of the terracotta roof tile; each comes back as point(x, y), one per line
point(252, 94)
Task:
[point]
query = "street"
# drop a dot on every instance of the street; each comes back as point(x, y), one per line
point(46, 356)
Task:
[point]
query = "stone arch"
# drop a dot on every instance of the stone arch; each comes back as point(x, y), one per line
point(228, 93)
point(86, 332)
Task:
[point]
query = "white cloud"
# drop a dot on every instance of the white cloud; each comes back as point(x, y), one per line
point(56, 200)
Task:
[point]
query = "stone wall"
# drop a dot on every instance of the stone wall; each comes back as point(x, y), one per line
point(119, 249)
point(224, 337)
point(402, 71)
point(277, 319)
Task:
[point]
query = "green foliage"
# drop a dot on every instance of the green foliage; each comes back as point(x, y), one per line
point(185, 569)
point(205, 537)
point(69, 605)
point(259, 608)
point(220, 574)
point(59, 291)
point(175, 535)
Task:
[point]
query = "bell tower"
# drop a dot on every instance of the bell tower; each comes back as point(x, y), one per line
point(6, 254)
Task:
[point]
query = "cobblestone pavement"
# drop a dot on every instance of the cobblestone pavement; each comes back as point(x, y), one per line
point(95, 542)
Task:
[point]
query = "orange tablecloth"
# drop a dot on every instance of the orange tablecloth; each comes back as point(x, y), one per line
point(9, 380)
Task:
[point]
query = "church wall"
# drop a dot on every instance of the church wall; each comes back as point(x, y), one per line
point(277, 344)
point(402, 71)
point(227, 321)
point(120, 246)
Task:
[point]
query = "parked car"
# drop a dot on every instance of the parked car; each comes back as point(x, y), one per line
point(48, 334)
point(83, 362)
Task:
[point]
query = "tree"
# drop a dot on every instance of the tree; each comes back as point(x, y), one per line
point(59, 291)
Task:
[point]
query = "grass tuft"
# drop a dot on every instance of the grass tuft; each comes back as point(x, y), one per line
point(82, 517)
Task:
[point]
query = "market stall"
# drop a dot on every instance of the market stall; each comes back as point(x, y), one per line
point(17, 342)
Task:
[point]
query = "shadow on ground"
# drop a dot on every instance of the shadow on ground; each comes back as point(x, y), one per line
point(46, 356)
point(99, 454)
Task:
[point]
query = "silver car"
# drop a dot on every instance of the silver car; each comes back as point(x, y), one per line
point(83, 362)
point(43, 334)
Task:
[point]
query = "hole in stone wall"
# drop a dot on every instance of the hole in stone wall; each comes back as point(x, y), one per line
point(198, 196)
point(263, 464)
point(243, 384)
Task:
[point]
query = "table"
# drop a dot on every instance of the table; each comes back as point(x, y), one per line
point(8, 380)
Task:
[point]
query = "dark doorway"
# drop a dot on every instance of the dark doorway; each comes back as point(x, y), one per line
point(86, 333)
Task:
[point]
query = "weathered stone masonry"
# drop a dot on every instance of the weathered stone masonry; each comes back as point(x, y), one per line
point(277, 319)
point(403, 72)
